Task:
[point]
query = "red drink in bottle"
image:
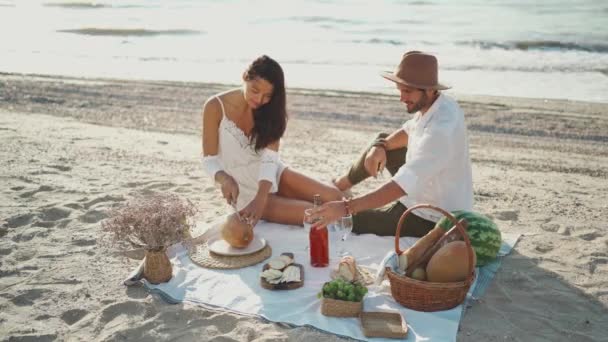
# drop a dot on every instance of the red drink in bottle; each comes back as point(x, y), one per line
point(319, 246)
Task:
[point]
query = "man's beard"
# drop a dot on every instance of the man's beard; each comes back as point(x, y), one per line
point(420, 104)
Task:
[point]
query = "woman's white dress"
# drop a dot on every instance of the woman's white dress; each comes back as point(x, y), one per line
point(240, 160)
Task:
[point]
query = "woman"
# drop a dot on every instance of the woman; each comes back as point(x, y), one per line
point(241, 132)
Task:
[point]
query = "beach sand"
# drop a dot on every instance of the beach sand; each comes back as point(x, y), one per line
point(73, 148)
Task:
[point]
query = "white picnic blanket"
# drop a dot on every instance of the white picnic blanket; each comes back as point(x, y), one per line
point(240, 290)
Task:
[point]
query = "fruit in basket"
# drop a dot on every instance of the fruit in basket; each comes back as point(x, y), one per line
point(419, 274)
point(449, 264)
point(237, 233)
point(343, 290)
point(483, 234)
point(412, 254)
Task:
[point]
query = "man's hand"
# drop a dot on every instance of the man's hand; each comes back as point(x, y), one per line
point(375, 160)
point(328, 212)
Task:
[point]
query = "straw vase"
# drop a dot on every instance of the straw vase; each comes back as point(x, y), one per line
point(157, 267)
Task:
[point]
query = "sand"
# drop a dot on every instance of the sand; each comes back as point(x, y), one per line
point(73, 148)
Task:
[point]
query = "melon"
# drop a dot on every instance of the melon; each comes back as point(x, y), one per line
point(483, 234)
point(450, 263)
point(237, 233)
point(419, 274)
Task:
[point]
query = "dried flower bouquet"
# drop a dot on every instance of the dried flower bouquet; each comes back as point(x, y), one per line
point(151, 222)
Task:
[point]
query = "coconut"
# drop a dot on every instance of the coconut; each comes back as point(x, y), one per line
point(237, 233)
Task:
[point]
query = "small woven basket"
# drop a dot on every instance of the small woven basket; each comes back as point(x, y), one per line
point(340, 308)
point(425, 295)
point(157, 266)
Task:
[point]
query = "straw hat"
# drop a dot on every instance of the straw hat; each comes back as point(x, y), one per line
point(418, 70)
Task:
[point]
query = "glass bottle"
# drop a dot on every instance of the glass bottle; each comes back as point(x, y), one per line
point(319, 242)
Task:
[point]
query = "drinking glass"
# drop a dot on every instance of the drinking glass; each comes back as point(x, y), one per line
point(346, 224)
point(308, 221)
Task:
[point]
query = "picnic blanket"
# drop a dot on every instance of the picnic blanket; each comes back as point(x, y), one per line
point(240, 290)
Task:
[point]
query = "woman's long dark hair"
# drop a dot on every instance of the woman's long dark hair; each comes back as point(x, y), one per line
point(269, 120)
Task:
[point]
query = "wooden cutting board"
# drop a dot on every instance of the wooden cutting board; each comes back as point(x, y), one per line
point(284, 286)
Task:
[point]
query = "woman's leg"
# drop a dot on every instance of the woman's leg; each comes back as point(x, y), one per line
point(295, 195)
point(285, 210)
point(298, 186)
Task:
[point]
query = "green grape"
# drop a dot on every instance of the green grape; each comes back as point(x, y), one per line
point(351, 297)
point(360, 290)
point(340, 295)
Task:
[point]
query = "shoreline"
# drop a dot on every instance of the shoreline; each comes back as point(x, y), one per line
point(577, 120)
point(74, 148)
point(323, 92)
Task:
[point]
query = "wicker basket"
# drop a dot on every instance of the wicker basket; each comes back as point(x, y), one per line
point(157, 266)
point(383, 324)
point(424, 295)
point(340, 308)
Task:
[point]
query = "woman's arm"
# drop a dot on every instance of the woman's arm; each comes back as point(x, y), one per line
point(268, 168)
point(267, 177)
point(211, 118)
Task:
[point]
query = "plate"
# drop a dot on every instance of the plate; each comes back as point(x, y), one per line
point(219, 246)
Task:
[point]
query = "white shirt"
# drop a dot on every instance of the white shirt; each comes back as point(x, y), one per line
point(437, 167)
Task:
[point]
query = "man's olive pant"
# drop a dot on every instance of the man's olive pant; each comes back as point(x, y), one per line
point(383, 221)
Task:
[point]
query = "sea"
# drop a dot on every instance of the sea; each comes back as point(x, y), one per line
point(551, 49)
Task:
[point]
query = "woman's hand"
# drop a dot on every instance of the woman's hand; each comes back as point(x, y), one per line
point(375, 160)
point(230, 188)
point(328, 212)
point(253, 212)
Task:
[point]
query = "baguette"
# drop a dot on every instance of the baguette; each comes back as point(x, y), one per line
point(412, 254)
point(452, 235)
point(347, 269)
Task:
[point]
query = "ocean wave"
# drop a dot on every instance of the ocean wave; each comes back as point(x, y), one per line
point(530, 68)
point(93, 31)
point(379, 41)
point(539, 45)
point(79, 5)
point(420, 3)
point(93, 5)
point(504, 67)
point(325, 20)
point(158, 59)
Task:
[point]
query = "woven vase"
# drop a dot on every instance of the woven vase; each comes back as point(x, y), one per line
point(157, 267)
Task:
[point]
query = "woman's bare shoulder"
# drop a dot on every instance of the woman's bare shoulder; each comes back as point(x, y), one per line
point(229, 96)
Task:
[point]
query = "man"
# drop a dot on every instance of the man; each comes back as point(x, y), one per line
point(428, 158)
